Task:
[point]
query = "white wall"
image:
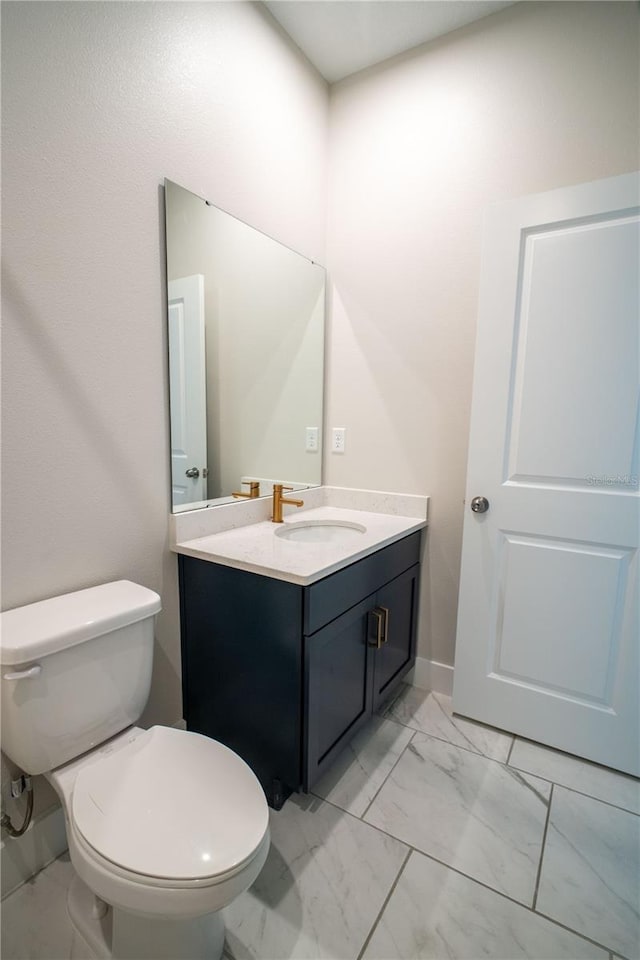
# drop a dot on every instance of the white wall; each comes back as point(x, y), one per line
point(538, 96)
point(101, 101)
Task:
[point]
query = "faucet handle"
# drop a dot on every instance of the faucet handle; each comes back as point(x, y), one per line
point(254, 490)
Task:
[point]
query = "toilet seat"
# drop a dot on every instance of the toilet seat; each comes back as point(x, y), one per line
point(170, 808)
point(161, 897)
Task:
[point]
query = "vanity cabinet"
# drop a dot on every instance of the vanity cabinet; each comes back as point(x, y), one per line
point(285, 674)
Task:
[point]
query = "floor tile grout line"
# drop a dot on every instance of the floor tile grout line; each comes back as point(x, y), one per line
point(514, 736)
point(481, 883)
point(552, 783)
point(584, 760)
point(375, 796)
point(386, 716)
point(596, 943)
point(384, 904)
point(483, 726)
point(542, 849)
point(581, 793)
point(459, 746)
point(359, 816)
point(355, 816)
point(476, 753)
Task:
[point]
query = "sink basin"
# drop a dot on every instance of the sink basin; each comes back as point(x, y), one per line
point(320, 531)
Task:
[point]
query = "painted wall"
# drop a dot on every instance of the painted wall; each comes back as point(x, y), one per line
point(101, 101)
point(539, 96)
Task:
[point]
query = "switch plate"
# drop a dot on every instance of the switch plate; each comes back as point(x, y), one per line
point(339, 439)
point(311, 442)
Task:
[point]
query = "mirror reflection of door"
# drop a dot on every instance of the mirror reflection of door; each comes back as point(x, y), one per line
point(188, 390)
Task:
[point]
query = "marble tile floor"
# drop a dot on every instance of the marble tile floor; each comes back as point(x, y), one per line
point(431, 837)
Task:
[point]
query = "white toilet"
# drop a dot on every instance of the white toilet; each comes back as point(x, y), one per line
point(165, 827)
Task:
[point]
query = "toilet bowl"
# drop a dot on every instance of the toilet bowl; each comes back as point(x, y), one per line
point(165, 827)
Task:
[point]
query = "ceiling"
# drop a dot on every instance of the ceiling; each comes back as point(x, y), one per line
point(340, 37)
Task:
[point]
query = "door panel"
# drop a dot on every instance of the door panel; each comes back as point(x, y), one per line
point(547, 642)
point(574, 410)
point(338, 675)
point(400, 599)
point(563, 636)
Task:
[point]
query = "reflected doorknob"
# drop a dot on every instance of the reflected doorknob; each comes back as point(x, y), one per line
point(192, 472)
point(479, 504)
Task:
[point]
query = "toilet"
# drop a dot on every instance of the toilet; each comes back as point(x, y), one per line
point(165, 827)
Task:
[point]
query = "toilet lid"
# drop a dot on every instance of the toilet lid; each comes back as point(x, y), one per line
point(171, 804)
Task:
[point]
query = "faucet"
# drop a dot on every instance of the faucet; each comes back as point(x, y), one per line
point(278, 500)
point(254, 490)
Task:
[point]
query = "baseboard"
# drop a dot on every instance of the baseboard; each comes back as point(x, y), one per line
point(431, 675)
point(23, 857)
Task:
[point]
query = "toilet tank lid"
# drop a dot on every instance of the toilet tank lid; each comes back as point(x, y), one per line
point(48, 626)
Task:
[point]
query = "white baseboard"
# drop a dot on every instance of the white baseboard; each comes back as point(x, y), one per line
point(431, 675)
point(23, 857)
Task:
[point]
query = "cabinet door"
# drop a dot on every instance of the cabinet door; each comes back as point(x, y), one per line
point(399, 601)
point(338, 686)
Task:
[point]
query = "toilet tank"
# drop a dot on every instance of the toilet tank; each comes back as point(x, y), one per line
point(75, 670)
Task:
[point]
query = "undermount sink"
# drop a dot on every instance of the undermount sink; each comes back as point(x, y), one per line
point(320, 531)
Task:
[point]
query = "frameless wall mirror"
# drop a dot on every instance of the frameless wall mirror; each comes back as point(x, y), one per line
point(246, 357)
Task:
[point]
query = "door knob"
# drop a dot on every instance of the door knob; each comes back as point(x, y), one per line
point(479, 504)
point(192, 472)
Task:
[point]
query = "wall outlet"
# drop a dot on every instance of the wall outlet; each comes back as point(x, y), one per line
point(339, 439)
point(311, 441)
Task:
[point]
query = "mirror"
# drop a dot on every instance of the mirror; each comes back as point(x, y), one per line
point(246, 357)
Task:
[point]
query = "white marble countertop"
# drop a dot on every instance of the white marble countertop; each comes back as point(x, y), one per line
point(256, 548)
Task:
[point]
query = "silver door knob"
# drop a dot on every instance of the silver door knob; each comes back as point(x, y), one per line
point(192, 472)
point(479, 504)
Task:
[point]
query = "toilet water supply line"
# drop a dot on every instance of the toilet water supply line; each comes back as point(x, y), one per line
point(18, 787)
point(23, 782)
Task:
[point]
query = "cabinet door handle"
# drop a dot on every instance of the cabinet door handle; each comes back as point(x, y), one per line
point(381, 615)
point(385, 629)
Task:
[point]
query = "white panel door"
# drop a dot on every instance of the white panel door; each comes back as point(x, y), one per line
point(548, 631)
point(187, 382)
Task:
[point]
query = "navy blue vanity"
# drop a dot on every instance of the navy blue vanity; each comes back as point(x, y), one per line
point(285, 674)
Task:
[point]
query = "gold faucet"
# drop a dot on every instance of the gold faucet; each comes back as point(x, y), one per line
point(278, 500)
point(254, 490)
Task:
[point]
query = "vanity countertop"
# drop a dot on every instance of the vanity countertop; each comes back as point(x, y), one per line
point(259, 547)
